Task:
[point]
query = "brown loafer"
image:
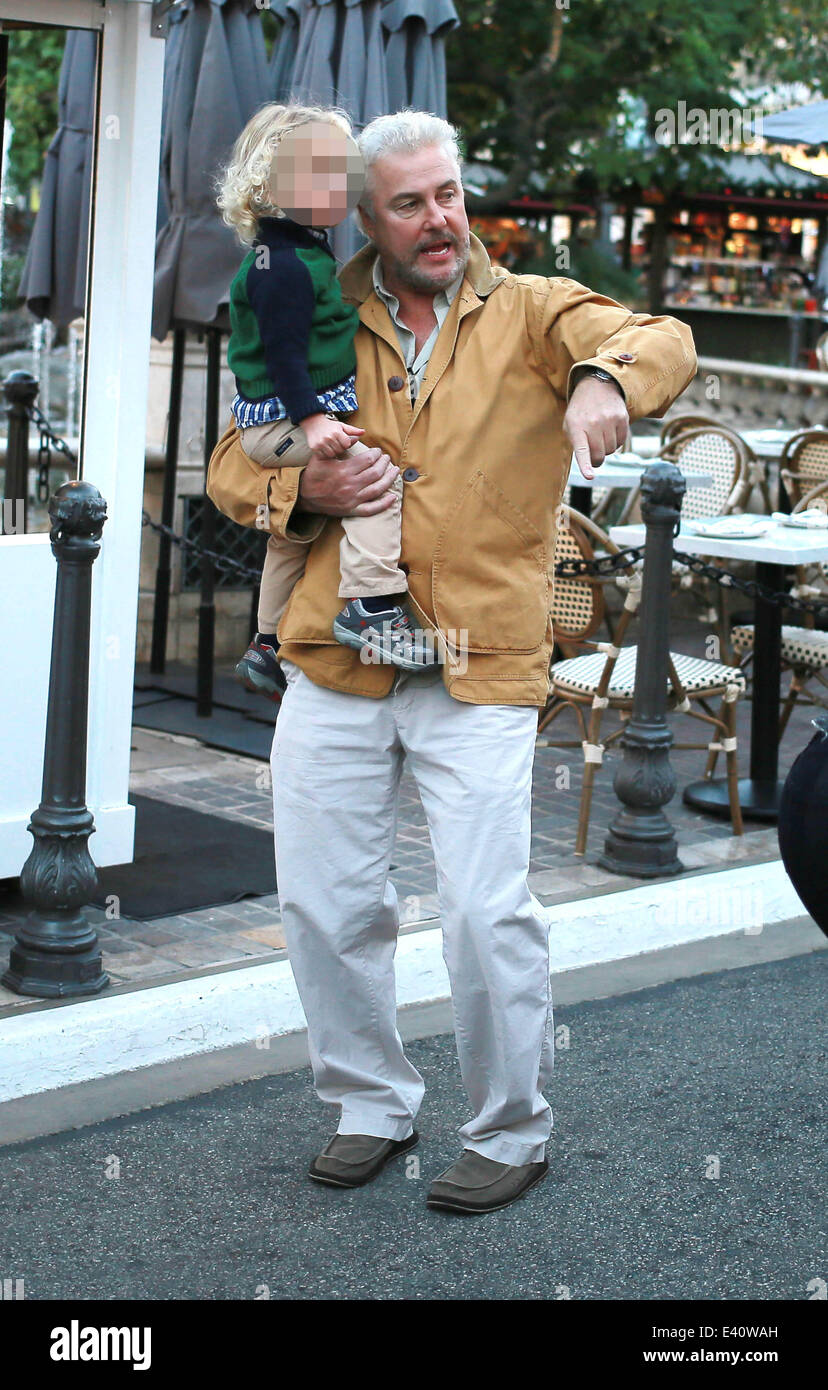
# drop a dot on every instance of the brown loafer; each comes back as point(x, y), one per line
point(477, 1184)
point(350, 1160)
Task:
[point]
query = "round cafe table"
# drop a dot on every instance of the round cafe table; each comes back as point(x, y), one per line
point(620, 476)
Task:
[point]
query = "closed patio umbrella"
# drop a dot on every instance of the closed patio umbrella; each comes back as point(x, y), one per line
point(53, 282)
point(361, 73)
point(283, 57)
point(415, 53)
point(313, 79)
point(221, 79)
point(340, 52)
point(172, 62)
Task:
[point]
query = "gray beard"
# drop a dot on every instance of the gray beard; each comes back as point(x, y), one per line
point(419, 280)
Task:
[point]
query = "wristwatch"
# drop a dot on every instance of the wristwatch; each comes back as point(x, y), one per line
point(601, 375)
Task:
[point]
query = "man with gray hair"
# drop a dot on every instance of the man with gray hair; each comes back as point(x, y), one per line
point(476, 386)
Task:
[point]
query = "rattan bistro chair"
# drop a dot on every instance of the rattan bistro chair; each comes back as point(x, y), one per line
point(722, 453)
point(804, 463)
point(578, 607)
point(804, 650)
point(680, 424)
point(604, 677)
point(752, 466)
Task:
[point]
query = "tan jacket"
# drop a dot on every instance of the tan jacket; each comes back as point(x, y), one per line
point(484, 461)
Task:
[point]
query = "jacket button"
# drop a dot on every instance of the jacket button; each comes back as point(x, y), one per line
point(395, 383)
point(625, 357)
point(409, 474)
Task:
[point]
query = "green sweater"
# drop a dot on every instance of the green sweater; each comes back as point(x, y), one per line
point(292, 333)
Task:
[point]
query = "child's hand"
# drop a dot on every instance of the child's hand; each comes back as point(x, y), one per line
point(327, 437)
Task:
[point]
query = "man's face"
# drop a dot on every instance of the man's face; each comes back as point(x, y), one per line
point(418, 203)
point(317, 174)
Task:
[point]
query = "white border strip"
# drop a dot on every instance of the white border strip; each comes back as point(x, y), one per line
point(61, 1046)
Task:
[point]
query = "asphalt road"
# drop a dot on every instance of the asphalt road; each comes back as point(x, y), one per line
point(688, 1161)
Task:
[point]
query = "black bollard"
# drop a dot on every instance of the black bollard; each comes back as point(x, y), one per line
point(641, 839)
point(163, 573)
point(207, 606)
point(56, 951)
point(20, 390)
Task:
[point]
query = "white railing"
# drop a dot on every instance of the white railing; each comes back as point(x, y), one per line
point(748, 393)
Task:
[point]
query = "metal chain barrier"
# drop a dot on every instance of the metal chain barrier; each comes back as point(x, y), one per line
point(48, 441)
point(602, 564)
point(728, 580)
point(223, 563)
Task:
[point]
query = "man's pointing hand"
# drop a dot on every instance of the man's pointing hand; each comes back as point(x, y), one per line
point(596, 422)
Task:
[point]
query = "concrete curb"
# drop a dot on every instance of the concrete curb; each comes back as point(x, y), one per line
point(53, 1047)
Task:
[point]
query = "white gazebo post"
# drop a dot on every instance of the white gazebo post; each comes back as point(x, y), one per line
point(113, 423)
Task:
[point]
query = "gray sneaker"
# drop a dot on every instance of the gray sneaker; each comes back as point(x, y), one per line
point(391, 636)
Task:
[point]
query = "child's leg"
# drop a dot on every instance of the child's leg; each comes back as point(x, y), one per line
point(369, 552)
point(283, 566)
point(279, 444)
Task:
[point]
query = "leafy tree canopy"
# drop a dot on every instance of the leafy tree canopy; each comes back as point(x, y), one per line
point(31, 101)
point(554, 90)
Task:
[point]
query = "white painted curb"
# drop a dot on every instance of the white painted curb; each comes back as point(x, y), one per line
point(45, 1049)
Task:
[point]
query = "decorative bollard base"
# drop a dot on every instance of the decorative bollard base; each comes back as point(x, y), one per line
point(642, 845)
point(32, 972)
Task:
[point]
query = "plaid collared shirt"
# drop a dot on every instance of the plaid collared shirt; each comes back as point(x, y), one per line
point(342, 396)
point(416, 362)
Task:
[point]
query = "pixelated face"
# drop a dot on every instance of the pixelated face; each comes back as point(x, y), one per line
point(419, 226)
point(317, 174)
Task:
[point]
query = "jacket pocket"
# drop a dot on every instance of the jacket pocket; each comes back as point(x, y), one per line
point(489, 577)
point(235, 484)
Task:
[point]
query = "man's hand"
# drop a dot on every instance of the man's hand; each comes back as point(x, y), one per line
point(596, 422)
point(356, 485)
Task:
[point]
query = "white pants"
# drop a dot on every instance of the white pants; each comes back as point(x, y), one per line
point(336, 762)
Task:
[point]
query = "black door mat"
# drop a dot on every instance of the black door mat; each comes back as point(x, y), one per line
point(184, 860)
point(228, 730)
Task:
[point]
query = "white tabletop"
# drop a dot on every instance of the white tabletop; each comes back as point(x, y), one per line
point(765, 443)
point(647, 445)
point(780, 545)
point(618, 476)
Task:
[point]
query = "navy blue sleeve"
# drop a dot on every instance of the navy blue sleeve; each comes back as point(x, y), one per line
point(283, 301)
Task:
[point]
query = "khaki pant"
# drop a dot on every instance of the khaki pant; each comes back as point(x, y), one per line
point(337, 760)
point(369, 552)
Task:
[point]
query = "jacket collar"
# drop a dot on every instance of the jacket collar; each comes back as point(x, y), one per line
point(356, 279)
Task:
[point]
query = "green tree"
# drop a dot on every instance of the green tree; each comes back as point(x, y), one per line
point(548, 86)
point(31, 101)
